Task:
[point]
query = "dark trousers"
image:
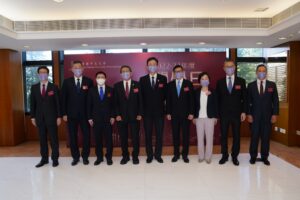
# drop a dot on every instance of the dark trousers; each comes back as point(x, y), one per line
point(158, 123)
point(50, 130)
point(235, 123)
point(103, 129)
point(179, 124)
point(134, 127)
point(260, 129)
point(73, 137)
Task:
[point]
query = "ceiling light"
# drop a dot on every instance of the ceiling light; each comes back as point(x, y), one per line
point(26, 47)
point(202, 43)
point(259, 43)
point(84, 45)
point(282, 38)
point(261, 9)
point(143, 43)
point(58, 1)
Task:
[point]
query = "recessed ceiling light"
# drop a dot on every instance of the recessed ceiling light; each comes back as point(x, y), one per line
point(202, 43)
point(84, 45)
point(282, 38)
point(261, 9)
point(143, 43)
point(259, 43)
point(26, 47)
point(58, 1)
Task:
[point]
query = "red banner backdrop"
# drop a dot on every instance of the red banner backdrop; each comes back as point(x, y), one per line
point(193, 62)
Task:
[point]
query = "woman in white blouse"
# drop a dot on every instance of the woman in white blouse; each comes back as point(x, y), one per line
point(205, 117)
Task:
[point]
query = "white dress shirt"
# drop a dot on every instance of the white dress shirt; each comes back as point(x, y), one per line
point(203, 105)
point(232, 80)
point(103, 87)
point(80, 80)
point(258, 85)
point(41, 86)
point(129, 84)
point(155, 77)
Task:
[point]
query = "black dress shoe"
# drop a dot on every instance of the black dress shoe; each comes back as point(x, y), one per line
point(266, 162)
point(86, 161)
point(124, 160)
point(186, 160)
point(135, 161)
point(109, 161)
point(223, 160)
point(252, 161)
point(235, 161)
point(175, 158)
point(149, 160)
point(98, 161)
point(42, 163)
point(159, 159)
point(55, 163)
point(74, 162)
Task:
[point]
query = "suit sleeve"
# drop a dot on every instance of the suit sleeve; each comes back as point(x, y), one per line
point(215, 104)
point(64, 98)
point(32, 103)
point(112, 104)
point(141, 108)
point(275, 101)
point(218, 98)
point(57, 101)
point(191, 99)
point(249, 100)
point(89, 104)
point(168, 99)
point(244, 96)
point(116, 101)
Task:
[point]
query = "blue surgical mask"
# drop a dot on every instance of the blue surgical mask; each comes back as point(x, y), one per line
point(204, 83)
point(261, 75)
point(152, 68)
point(125, 75)
point(178, 75)
point(229, 71)
point(43, 77)
point(77, 72)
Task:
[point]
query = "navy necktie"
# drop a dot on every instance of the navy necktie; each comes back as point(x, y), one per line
point(229, 84)
point(101, 92)
point(78, 85)
point(153, 82)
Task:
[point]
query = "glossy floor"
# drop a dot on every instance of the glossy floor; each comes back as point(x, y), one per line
point(21, 180)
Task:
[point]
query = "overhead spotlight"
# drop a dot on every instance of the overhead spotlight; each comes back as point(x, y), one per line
point(84, 45)
point(58, 1)
point(261, 9)
point(282, 38)
point(259, 43)
point(26, 47)
point(202, 43)
point(143, 43)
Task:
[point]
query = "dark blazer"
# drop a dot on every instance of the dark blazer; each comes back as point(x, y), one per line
point(183, 105)
point(129, 108)
point(74, 103)
point(264, 105)
point(45, 109)
point(232, 105)
point(100, 110)
point(154, 99)
point(212, 105)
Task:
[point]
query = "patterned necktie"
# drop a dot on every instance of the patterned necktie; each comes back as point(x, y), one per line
point(178, 88)
point(261, 89)
point(153, 82)
point(101, 92)
point(229, 87)
point(43, 90)
point(127, 90)
point(78, 85)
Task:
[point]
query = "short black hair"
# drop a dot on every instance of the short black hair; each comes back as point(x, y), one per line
point(178, 66)
point(201, 75)
point(77, 62)
point(101, 72)
point(152, 58)
point(43, 67)
point(125, 66)
point(262, 65)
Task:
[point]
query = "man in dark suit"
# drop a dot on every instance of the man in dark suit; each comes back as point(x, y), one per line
point(74, 108)
point(101, 117)
point(180, 109)
point(263, 109)
point(231, 93)
point(129, 110)
point(154, 88)
point(46, 115)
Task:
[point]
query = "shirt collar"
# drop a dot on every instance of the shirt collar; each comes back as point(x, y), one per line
point(154, 75)
point(232, 77)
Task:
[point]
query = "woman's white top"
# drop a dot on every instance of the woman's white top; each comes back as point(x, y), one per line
point(203, 105)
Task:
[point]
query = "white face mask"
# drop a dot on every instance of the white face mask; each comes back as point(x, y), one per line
point(100, 81)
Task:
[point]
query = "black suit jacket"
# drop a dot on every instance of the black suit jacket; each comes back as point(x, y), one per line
point(129, 108)
point(45, 109)
point(212, 105)
point(232, 105)
point(154, 98)
point(100, 110)
point(183, 105)
point(264, 105)
point(74, 104)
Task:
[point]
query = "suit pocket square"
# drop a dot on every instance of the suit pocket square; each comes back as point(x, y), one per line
point(186, 89)
point(161, 85)
point(50, 93)
point(270, 90)
point(135, 90)
point(237, 87)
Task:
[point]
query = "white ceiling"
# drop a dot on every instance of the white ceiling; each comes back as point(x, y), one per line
point(23, 10)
